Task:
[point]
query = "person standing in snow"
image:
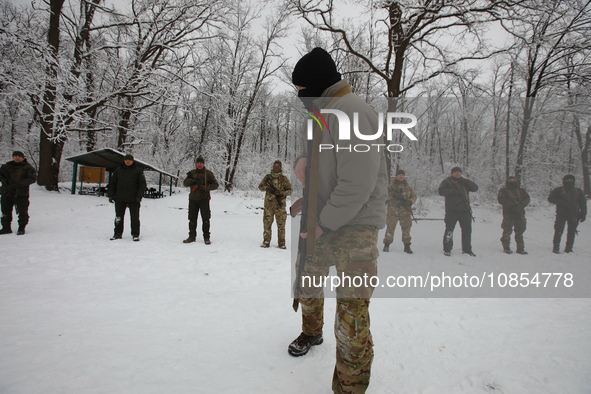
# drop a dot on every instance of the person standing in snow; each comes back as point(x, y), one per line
point(571, 208)
point(514, 199)
point(126, 189)
point(277, 188)
point(16, 176)
point(456, 191)
point(201, 181)
point(349, 198)
point(401, 196)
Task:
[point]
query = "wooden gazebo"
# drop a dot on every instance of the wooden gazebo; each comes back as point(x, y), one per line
point(110, 159)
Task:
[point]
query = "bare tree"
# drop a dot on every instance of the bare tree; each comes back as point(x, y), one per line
point(404, 32)
point(547, 32)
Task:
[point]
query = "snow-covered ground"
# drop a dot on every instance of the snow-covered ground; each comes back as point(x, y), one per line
point(82, 314)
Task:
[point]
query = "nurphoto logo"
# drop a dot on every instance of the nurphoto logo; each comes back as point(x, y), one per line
point(392, 119)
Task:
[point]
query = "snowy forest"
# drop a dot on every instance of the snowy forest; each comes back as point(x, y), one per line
point(499, 87)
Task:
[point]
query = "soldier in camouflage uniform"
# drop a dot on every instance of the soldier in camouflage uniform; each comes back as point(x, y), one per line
point(350, 210)
point(277, 187)
point(514, 200)
point(401, 196)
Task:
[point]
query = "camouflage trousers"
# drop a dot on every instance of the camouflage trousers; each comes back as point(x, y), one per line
point(271, 213)
point(398, 215)
point(353, 252)
point(508, 225)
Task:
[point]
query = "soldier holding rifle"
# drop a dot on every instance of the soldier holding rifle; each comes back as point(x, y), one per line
point(401, 196)
point(201, 181)
point(456, 191)
point(277, 188)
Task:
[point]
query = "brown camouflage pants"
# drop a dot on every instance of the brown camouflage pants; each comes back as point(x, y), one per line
point(396, 215)
point(353, 252)
point(278, 213)
point(513, 222)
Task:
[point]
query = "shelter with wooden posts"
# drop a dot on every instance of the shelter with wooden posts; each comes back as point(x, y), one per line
point(94, 164)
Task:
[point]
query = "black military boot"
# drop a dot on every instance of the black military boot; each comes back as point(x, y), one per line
point(21, 230)
point(303, 343)
point(556, 249)
point(407, 248)
point(507, 249)
point(386, 247)
point(568, 249)
point(6, 230)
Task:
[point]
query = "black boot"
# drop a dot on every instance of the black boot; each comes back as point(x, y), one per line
point(407, 248)
point(568, 249)
point(386, 247)
point(6, 230)
point(556, 249)
point(303, 343)
point(507, 249)
point(21, 230)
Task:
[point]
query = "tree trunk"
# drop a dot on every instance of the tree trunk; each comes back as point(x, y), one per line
point(527, 111)
point(50, 145)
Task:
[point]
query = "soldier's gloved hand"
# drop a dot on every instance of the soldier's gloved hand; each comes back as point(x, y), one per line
point(138, 199)
point(270, 189)
point(582, 219)
point(111, 200)
point(397, 196)
point(405, 203)
point(459, 193)
point(191, 181)
point(3, 189)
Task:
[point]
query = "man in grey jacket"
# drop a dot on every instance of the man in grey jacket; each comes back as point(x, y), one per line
point(351, 208)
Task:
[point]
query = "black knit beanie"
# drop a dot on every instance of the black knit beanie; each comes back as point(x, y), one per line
point(18, 153)
point(315, 71)
point(568, 177)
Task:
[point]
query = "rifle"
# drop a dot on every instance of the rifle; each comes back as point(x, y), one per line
point(304, 255)
point(408, 207)
point(199, 184)
point(464, 198)
point(276, 191)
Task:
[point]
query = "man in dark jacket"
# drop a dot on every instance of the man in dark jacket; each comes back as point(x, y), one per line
point(571, 208)
point(201, 181)
point(514, 199)
point(127, 188)
point(277, 188)
point(456, 191)
point(16, 176)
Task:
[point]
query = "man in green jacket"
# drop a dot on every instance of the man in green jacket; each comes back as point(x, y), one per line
point(514, 199)
point(126, 189)
point(201, 181)
point(16, 176)
point(351, 208)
